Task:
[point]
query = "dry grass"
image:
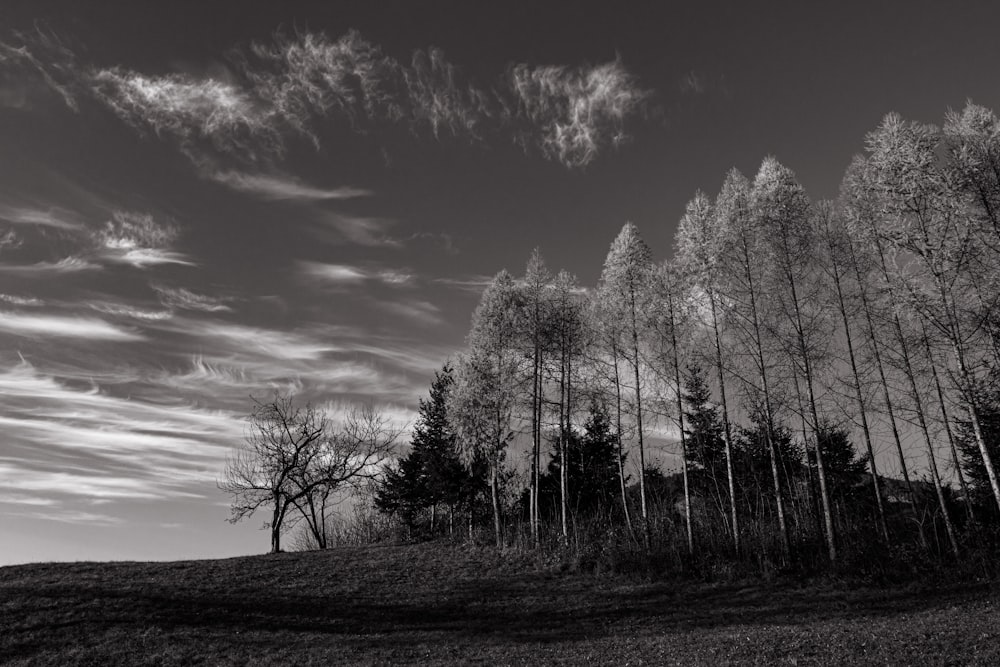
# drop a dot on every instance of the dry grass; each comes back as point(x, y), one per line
point(439, 604)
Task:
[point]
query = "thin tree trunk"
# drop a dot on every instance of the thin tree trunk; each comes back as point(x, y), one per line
point(618, 438)
point(563, 432)
point(917, 402)
point(831, 545)
point(276, 525)
point(638, 419)
point(813, 492)
point(890, 412)
point(768, 413)
point(966, 497)
point(727, 431)
point(535, 442)
point(977, 429)
point(680, 425)
point(876, 487)
point(495, 498)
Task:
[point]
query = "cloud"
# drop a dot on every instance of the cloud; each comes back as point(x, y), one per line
point(23, 74)
point(10, 239)
point(178, 297)
point(127, 230)
point(53, 217)
point(140, 240)
point(360, 230)
point(578, 111)
point(67, 442)
point(309, 75)
point(299, 85)
point(58, 326)
point(190, 109)
point(439, 98)
point(473, 283)
point(21, 300)
point(284, 187)
point(240, 340)
point(130, 312)
point(65, 265)
point(345, 274)
point(420, 311)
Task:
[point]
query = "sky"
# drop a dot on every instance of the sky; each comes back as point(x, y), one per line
point(200, 202)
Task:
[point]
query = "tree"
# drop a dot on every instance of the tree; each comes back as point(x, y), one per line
point(291, 458)
point(431, 474)
point(487, 382)
point(698, 244)
point(742, 281)
point(922, 218)
point(623, 285)
point(591, 471)
point(836, 241)
point(780, 210)
point(351, 455)
point(979, 481)
point(536, 287)
point(282, 440)
point(668, 320)
point(705, 442)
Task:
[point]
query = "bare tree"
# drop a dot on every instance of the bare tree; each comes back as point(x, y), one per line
point(351, 455)
point(282, 441)
point(487, 382)
point(698, 249)
point(292, 458)
point(627, 269)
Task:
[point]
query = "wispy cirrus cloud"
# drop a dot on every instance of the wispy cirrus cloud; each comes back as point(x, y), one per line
point(347, 274)
point(16, 300)
point(178, 297)
point(140, 240)
point(52, 217)
point(63, 326)
point(576, 111)
point(296, 85)
point(67, 442)
point(66, 265)
point(472, 283)
point(122, 310)
point(37, 61)
point(189, 109)
point(417, 310)
point(279, 187)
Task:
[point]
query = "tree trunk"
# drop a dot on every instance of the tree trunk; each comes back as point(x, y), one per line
point(873, 340)
point(768, 413)
point(563, 429)
point(917, 402)
point(876, 487)
point(495, 498)
point(727, 431)
point(618, 438)
point(638, 420)
point(680, 425)
point(536, 428)
point(276, 517)
point(966, 497)
point(831, 545)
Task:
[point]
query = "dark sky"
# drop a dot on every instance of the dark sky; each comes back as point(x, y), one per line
point(200, 201)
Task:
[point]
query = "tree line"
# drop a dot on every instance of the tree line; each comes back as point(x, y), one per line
point(787, 355)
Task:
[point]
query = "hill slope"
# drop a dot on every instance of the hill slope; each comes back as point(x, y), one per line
point(434, 603)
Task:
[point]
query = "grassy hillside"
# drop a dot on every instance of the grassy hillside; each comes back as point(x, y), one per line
point(437, 604)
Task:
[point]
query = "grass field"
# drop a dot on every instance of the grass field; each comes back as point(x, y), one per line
point(440, 604)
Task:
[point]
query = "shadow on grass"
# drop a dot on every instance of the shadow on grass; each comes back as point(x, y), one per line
point(393, 609)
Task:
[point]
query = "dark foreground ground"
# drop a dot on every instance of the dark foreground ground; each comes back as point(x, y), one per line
point(436, 604)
